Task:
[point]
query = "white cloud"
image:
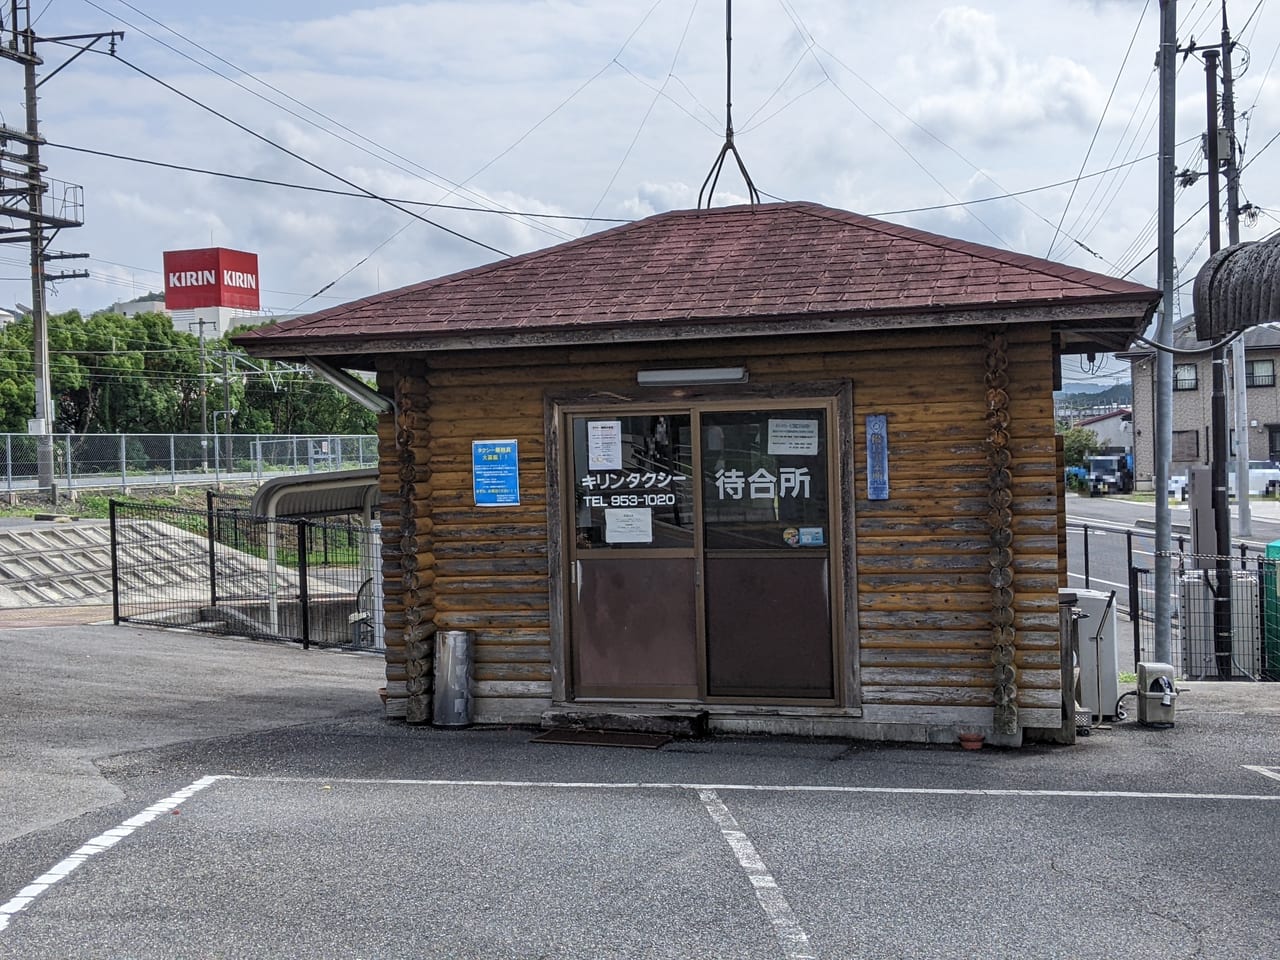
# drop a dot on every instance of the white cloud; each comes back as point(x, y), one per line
point(500, 94)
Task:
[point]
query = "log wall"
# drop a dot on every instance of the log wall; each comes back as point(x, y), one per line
point(923, 558)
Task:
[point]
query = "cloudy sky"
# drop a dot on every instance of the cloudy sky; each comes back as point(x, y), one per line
point(598, 111)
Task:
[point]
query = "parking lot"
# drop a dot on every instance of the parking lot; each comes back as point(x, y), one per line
point(168, 795)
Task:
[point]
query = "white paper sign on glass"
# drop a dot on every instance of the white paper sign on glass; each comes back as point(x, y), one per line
point(628, 526)
point(604, 445)
point(793, 438)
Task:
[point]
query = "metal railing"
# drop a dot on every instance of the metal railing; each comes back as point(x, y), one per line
point(1249, 645)
point(124, 460)
point(222, 570)
point(1136, 591)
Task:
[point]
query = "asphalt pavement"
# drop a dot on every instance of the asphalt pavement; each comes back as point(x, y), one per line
point(164, 794)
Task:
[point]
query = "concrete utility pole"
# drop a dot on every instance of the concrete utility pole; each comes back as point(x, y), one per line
point(1221, 513)
point(22, 198)
point(1164, 332)
point(1244, 527)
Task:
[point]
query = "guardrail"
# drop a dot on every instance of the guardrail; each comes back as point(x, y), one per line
point(124, 460)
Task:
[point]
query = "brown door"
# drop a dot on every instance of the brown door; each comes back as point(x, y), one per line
point(766, 515)
point(633, 601)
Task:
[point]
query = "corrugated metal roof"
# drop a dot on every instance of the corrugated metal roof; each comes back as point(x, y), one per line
point(768, 262)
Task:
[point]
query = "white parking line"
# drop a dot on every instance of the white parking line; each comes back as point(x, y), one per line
point(28, 894)
point(795, 942)
point(103, 841)
point(775, 788)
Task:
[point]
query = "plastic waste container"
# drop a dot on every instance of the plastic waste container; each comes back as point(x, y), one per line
point(1156, 694)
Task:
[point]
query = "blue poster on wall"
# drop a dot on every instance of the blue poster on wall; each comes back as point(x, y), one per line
point(877, 457)
point(495, 472)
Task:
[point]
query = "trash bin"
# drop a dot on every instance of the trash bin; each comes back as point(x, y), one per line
point(451, 697)
point(1156, 694)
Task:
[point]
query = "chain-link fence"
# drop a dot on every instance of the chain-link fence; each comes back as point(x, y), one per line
point(1226, 616)
point(124, 460)
point(222, 570)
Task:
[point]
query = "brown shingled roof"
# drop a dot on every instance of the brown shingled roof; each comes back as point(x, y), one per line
point(765, 264)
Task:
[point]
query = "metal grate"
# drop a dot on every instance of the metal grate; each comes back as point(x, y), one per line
point(224, 571)
point(1197, 652)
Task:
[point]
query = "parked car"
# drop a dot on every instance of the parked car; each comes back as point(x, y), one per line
point(1110, 473)
point(1264, 477)
point(1264, 480)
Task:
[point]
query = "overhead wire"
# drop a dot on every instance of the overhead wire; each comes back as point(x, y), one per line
point(1098, 128)
point(693, 7)
point(436, 179)
point(265, 181)
point(807, 35)
point(301, 159)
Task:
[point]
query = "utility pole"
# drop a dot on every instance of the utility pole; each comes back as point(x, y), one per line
point(1221, 515)
point(1245, 525)
point(22, 198)
point(1164, 332)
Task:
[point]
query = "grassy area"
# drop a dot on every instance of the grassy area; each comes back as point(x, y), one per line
point(95, 505)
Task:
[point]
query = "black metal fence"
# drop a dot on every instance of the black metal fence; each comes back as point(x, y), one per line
point(1250, 614)
point(223, 570)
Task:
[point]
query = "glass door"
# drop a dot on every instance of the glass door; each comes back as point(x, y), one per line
point(633, 604)
point(766, 524)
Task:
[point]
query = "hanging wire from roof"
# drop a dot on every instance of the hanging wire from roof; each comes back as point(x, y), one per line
point(713, 176)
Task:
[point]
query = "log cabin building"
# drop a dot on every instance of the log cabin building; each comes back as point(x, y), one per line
point(785, 466)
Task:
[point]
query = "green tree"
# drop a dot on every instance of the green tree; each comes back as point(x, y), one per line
point(1079, 444)
point(115, 374)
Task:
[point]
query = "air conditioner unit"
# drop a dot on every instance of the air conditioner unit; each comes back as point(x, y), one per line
point(1099, 653)
point(1195, 611)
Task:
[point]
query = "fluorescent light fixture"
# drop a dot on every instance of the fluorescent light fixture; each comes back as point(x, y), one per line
point(657, 378)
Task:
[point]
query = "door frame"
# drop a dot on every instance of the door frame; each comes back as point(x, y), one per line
point(837, 395)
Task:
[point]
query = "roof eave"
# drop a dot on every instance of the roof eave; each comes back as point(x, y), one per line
point(1110, 318)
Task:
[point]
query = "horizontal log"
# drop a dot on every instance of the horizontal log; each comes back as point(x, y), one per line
point(908, 637)
point(1032, 678)
point(949, 676)
point(951, 696)
point(477, 602)
point(470, 515)
point(511, 653)
point(490, 565)
point(492, 620)
point(1050, 717)
point(456, 586)
point(1032, 699)
point(531, 637)
point(469, 550)
point(493, 531)
point(960, 620)
point(512, 671)
point(512, 688)
point(911, 657)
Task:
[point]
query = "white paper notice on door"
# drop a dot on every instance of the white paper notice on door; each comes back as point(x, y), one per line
point(628, 526)
point(795, 438)
point(604, 445)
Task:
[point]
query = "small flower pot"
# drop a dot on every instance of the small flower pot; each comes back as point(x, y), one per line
point(971, 741)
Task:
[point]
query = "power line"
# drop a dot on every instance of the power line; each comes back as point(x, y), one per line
point(645, 119)
point(310, 163)
point(432, 177)
point(332, 191)
point(1098, 129)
